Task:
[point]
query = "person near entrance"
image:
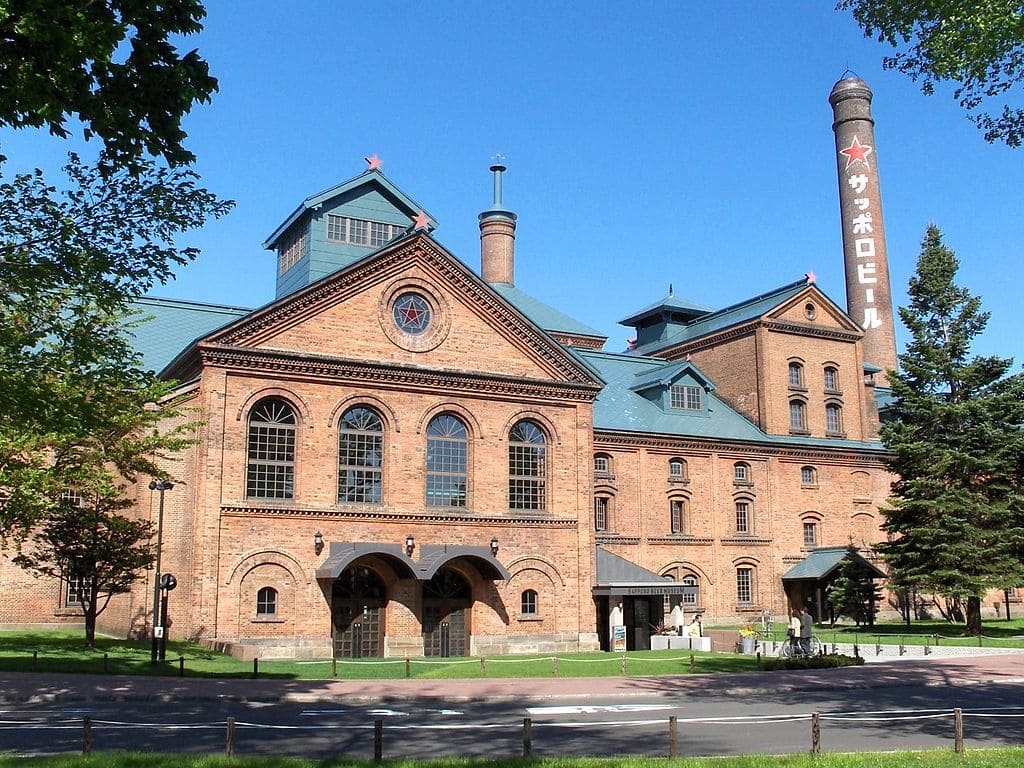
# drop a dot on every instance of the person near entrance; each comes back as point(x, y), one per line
point(806, 630)
point(793, 631)
point(695, 628)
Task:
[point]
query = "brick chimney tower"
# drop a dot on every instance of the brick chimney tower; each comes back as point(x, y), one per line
point(868, 297)
point(498, 237)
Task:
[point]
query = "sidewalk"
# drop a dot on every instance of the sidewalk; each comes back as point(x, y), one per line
point(975, 670)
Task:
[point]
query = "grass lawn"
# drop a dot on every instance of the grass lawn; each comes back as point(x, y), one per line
point(996, 758)
point(65, 652)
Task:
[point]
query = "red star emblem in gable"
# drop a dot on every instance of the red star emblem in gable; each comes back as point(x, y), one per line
point(411, 314)
point(856, 152)
point(420, 221)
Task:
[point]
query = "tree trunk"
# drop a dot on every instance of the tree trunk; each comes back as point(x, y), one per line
point(90, 625)
point(973, 615)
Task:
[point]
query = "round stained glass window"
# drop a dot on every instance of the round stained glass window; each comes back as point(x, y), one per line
point(412, 313)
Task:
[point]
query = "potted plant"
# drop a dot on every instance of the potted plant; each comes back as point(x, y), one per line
point(660, 634)
point(748, 639)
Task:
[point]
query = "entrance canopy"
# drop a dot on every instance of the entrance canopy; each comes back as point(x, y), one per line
point(824, 562)
point(433, 557)
point(618, 576)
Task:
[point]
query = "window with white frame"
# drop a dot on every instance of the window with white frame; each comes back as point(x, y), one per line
point(292, 247)
point(602, 464)
point(447, 464)
point(677, 469)
point(692, 596)
point(686, 397)
point(808, 476)
point(527, 467)
point(744, 585)
point(810, 533)
point(74, 590)
point(741, 473)
point(677, 515)
point(602, 513)
point(372, 234)
point(266, 603)
point(360, 456)
point(743, 521)
point(270, 471)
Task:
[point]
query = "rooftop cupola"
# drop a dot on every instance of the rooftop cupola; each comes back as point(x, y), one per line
point(497, 237)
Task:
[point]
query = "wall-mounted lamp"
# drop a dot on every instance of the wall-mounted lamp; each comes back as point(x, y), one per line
point(494, 547)
point(318, 542)
point(410, 545)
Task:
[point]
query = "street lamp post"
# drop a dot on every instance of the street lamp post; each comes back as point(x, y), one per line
point(158, 485)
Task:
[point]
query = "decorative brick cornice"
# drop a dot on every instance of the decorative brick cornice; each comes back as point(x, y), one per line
point(390, 515)
point(613, 538)
point(815, 331)
point(698, 541)
point(866, 457)
point(743, 541)
point(320, 366)
point(751, 326)
point(388, 264)
point(578, 340)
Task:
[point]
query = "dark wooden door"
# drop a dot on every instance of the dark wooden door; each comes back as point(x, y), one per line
point(446, 602)
point(357, 602)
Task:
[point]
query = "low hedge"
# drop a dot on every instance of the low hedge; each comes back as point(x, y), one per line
point(825, 661)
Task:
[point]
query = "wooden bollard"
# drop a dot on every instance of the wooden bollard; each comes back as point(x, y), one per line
point(958, 731)
point(378, 740)
point(408, 667)
point(815, 733)
point(334, 667)
point(623, 665)
point(255, 668)
point(758, 659)
point(554, 666)
point(229, 739)
point(181, 666)
point(673, 737)
point(902, 647)
point(483, 667)
point(106, 663)
point(527, 737)
point(35, 660)
point(693, 663)
point(87, 735)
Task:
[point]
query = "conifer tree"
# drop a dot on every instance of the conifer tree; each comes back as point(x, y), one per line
point(854, 593)
point(956, 517)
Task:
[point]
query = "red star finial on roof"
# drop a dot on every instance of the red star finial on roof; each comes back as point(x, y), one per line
point(421, 221)
point(373, 163)
point(856, 152)
point(811, 278)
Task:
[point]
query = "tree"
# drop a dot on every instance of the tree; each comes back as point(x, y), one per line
point(94, 549)
point(70, 264)
point(978, 44)
point(853, 593)
point(956, 517)
point(108, 64)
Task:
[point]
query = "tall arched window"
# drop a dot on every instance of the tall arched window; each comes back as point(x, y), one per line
point(360, 456)
point(744, 517)
point(796, 376)
point(676, 516)
point(831, 379)
point(797, 416)
point(833, 419)
point(527, 467)
point(270, 472)
point(745, 585)
point(602, 513)
point(447, 462)
point(528, 603)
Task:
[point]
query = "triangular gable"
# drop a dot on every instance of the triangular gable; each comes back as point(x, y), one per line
point(826, 313)
point(372, 177)
point(618, 575)
point(669, 375)
point(821, 563)
point(420, 253)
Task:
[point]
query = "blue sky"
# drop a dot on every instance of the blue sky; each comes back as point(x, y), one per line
point(647, 143)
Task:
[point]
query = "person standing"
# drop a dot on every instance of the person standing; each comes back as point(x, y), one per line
point(806, 630)
point(793, 632)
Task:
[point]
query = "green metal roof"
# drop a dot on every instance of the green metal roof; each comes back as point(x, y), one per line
point(372, 176)
point(670, 303)
point(824, 561)
point(548, 318)
point(727, 317)
point(613, 570)
point(666, 375)
point(166, 326)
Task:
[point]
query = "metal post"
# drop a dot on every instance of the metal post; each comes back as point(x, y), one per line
point(163, 625)
point(161, 486)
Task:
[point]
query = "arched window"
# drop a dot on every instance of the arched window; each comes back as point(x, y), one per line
point(677, 469)
point(834, 419)
point(810, 533)
point(266, 603)
point(797, 416)
point(745, 585)
point(528, 603)
point(360, 456)
point(447, 462)
point(270, 472)
point(831, 379)
point(527, 467)
point(796, 376)
point(677, 515)
point(602, 464)
point(691, 597)
point(602, 513)
point(741, 473)
point(744, 517)
point(808, 476)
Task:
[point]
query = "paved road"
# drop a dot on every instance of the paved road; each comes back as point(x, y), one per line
point(902, 704)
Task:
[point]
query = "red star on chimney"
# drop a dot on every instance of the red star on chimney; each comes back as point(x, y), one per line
point(421, 221)
point(373, 163)
point(856, 152)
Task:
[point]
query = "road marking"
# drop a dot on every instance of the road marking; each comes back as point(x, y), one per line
point(387, 713)
point(444, 711)
point(318, 712)
point(594, 709)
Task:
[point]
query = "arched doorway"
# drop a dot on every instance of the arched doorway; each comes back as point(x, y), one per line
point(446, 601)
point(357, 599)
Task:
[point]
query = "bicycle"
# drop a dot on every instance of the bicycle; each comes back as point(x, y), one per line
point(793, 648)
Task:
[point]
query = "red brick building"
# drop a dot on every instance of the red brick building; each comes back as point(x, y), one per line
point(400, 455)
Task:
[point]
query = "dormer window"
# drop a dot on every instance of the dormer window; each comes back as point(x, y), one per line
point(686, 397)
point(372, 234)
point(292, 248)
